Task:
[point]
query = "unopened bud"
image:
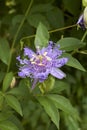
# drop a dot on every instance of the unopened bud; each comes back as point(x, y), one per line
point(85, 17)
point(13, 82)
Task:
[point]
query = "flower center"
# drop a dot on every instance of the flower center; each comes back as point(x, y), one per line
point(40, 60)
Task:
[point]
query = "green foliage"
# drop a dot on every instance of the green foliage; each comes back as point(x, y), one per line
point(64, 102)
point(47, 85)
point(73, 62)
point(71, 123)
point(7, 125)
point(51, 109)
point(7, 81)
point(59, 86)
point(13, 103)
point(42, 36)
point(35, 19)
point(53, 18)
point(70, 44)
point(72, 6)
point(4, 50)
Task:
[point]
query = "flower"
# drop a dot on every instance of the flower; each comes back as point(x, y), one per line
point(42, 63)
point(81, 22)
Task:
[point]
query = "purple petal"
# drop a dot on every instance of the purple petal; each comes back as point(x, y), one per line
point(28, 52)
point(57, 73)
point(42, 76)
point(60, 62)
point(21, 74)
point(25, 70)
point(81, 22)
point(20, 60)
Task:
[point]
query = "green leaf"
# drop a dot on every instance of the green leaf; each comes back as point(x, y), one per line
point(2, 74)
point(84, 2)
point(42, 36)
point(35, 19)
point(4, 50)
point(73, 62)
point(59, 86)
point(17, 19)
point(14, 103)
point(4, 116)
point(63, 104)
point(21, 90)
point(50, 109)
point(41, 8)
point(71, 123)
point(14, 119)
point(72, 6)
point(70, 44)
point(1, 100)
point(7, 80)
point(7, 125)
point(55, 18)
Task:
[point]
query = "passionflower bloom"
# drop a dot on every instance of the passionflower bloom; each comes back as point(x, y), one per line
point(39, 65)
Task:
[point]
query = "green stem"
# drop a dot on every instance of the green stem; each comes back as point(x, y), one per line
point(85, 34)
point(15, 37)
point(83, 38)
point(63, 28)
point(51, 31)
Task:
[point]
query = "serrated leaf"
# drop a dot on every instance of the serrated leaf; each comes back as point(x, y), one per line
point(7, 125)
point(7, 80)
point(73, 62)
point(50, 109)
point(42, 36)
point(4, 50)
point(13, 102)
point(70, 44)
point(63, 104)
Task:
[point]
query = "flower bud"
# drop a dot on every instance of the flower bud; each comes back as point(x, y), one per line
point(82, 21)
point(85, 17)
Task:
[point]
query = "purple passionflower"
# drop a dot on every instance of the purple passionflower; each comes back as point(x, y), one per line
point(42, 63)
point(81, 22)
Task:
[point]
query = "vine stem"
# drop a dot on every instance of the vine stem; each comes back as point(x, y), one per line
point(51, 31)
point(83, 38)
point(16, 35)
point(85, 34)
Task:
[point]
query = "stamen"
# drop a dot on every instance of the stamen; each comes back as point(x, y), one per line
point(48, 58)
point(45, 53)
